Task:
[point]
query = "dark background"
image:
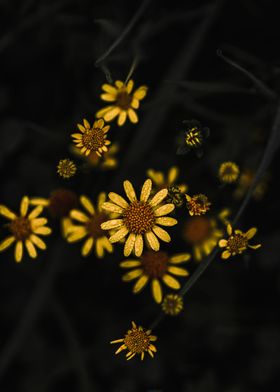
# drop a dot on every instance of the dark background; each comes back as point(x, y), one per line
point(59, 313)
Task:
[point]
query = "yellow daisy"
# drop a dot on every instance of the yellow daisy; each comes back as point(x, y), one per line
point(237, 242)
point(137, 341)
point(59, 205)
point(228, 172)
point(155, 266)
point(66, 168)
point(25, 229)
point(139, 218)
point(172, 304)
point(89, 227)
point(202, 233)
point(124, 102)
point(92, 138)
point(108, 161)
point(197, 204)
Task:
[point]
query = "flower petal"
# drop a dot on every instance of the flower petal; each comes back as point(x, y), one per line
point(132, 116)
point(87, 204)
point(18, 251)
point(130, 263)
point(164, 210)
point(161, 233)
point(107, 244)
point(159, 196)
point(138, 246)
point(156, 290)
point(4, 211)
point(132, 274)
point(122, 118)
point(171, 282)
point(226, 254)
point(99, 250)
point(108, 97)
point(6, 243)
point(166, 221)
point(229, 229)
point(179, 258)
point(112, 207)
point(24, 206)
point(111, 114)
point(129, 86)
point(31, 249)
point(172, 175)
point(135, 103)
point(177, 271)
point(152, 240)
point(254, 246)
point(120, 234)
point(129, 244)
point(38, 242)
point(79, 216)
point(38, 222)
point(43, 230)
point(146, 190)
point(141, 92)
point(103, 111)
point(140, 284)
point(129, 190)
point(222, 243)
point(109, 89)
point(39, 201)
point(112, 224)
point(250, 233)
point(117, 199)
point(87, 246)
point(35, 212)
point(77, 235)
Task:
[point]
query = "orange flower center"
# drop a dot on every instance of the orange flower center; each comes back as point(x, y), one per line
point(139, 217)
point(154, 264)
point(198, 204)
point(93, 225)
point(237, 243)
point(137, 341)
point(123, 100)
point(197, 229)
point(62, 201)
point(20, 227)
point(93, 139)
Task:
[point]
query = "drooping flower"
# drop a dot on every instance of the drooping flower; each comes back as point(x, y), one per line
point(25, 229)
point(172, 304)
point(123, 101)
point(92, 139)
point(88, 227)
point(137, 341)
point(66, 168)
point(192, 138)
point(237, 242)
point(155, 266)
point(197, 204)
point(139, 218)
point(228, 172)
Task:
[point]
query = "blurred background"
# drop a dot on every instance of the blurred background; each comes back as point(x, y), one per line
point(60, 311)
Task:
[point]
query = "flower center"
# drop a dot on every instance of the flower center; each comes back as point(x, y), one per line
point(139, 217)
point(62, 201)
point(197, 229)
point(237, 243)
point(193, 137)
point(172, 304)
point(93, 139)
point(198, 204)
point(66, 168)
point(137, 341)
point(20, 227)
point(124, 100)
point(93, 225)
point(154, 264)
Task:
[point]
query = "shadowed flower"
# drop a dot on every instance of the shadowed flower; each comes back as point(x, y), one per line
point(197, 204)
point(228, 172)
point(155, 266)
point(237, 242)
point(138, 218)
point(172, 304)
point(89, 227)
point(59, 205)
point(202, 233)
point(66, 168)
point(107, 161)
point(192, 138)
point(25, 229)
point(124, 102)
point(137, 341)
point(244, 182)
point(92, 139)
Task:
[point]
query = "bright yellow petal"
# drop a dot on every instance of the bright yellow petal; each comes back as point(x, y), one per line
point(229, 229)
point(103, 111)
point(130, 263)
point(117, 199)
point(6, 243)
point(162, 234)
point(99, 250)
point(107, 244)
point(222, 243)
point(141, 92)
point(39, 201)
point(111, 207)
point(132, 116)
point(42, 230)
point(109, 89)
point(156, 177)
point(108, 97)
point(122, 118)
point(79, 216)
point(177, 271)
point(86, 123)
point(138, 246)
point(226, 254)
point(18, 251)
point(87, 246)
point(250, 233)
point(112, 224)
point(180, 258)
point(38, 242)
point(111, 114)
point(36, 212)
point(166, 221)
point(140, 284)
point(85, 201)
point(31, 249)
point(159, 196)
point(164, 210)
point(119, 84)
point(172, 175)
point(77, 235)
point(24, 206)
point(156, 290)
point(152, 240)
point(129, 190)
point(129, 244)
point(120, 234)
point(132, 274)
point(255, 246)
point(146, 190)
point(171, 282)
point(129, 86)
point(37, 222)
point(135, 103)
point(101, 200)
point(4, 211)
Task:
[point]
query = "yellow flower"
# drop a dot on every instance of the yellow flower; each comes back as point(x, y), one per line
point(172, 304)
point(228, 172)
point(138, 218)
point(124, 102)
point(155, 266)
point(237, 242)
point(92, 138)
point(197, 204)
point(89, 227)
point(202, 234)
point(66, 168)
point(137, 341)
point(25, 229)
point(59, 205)
point(108, 161)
